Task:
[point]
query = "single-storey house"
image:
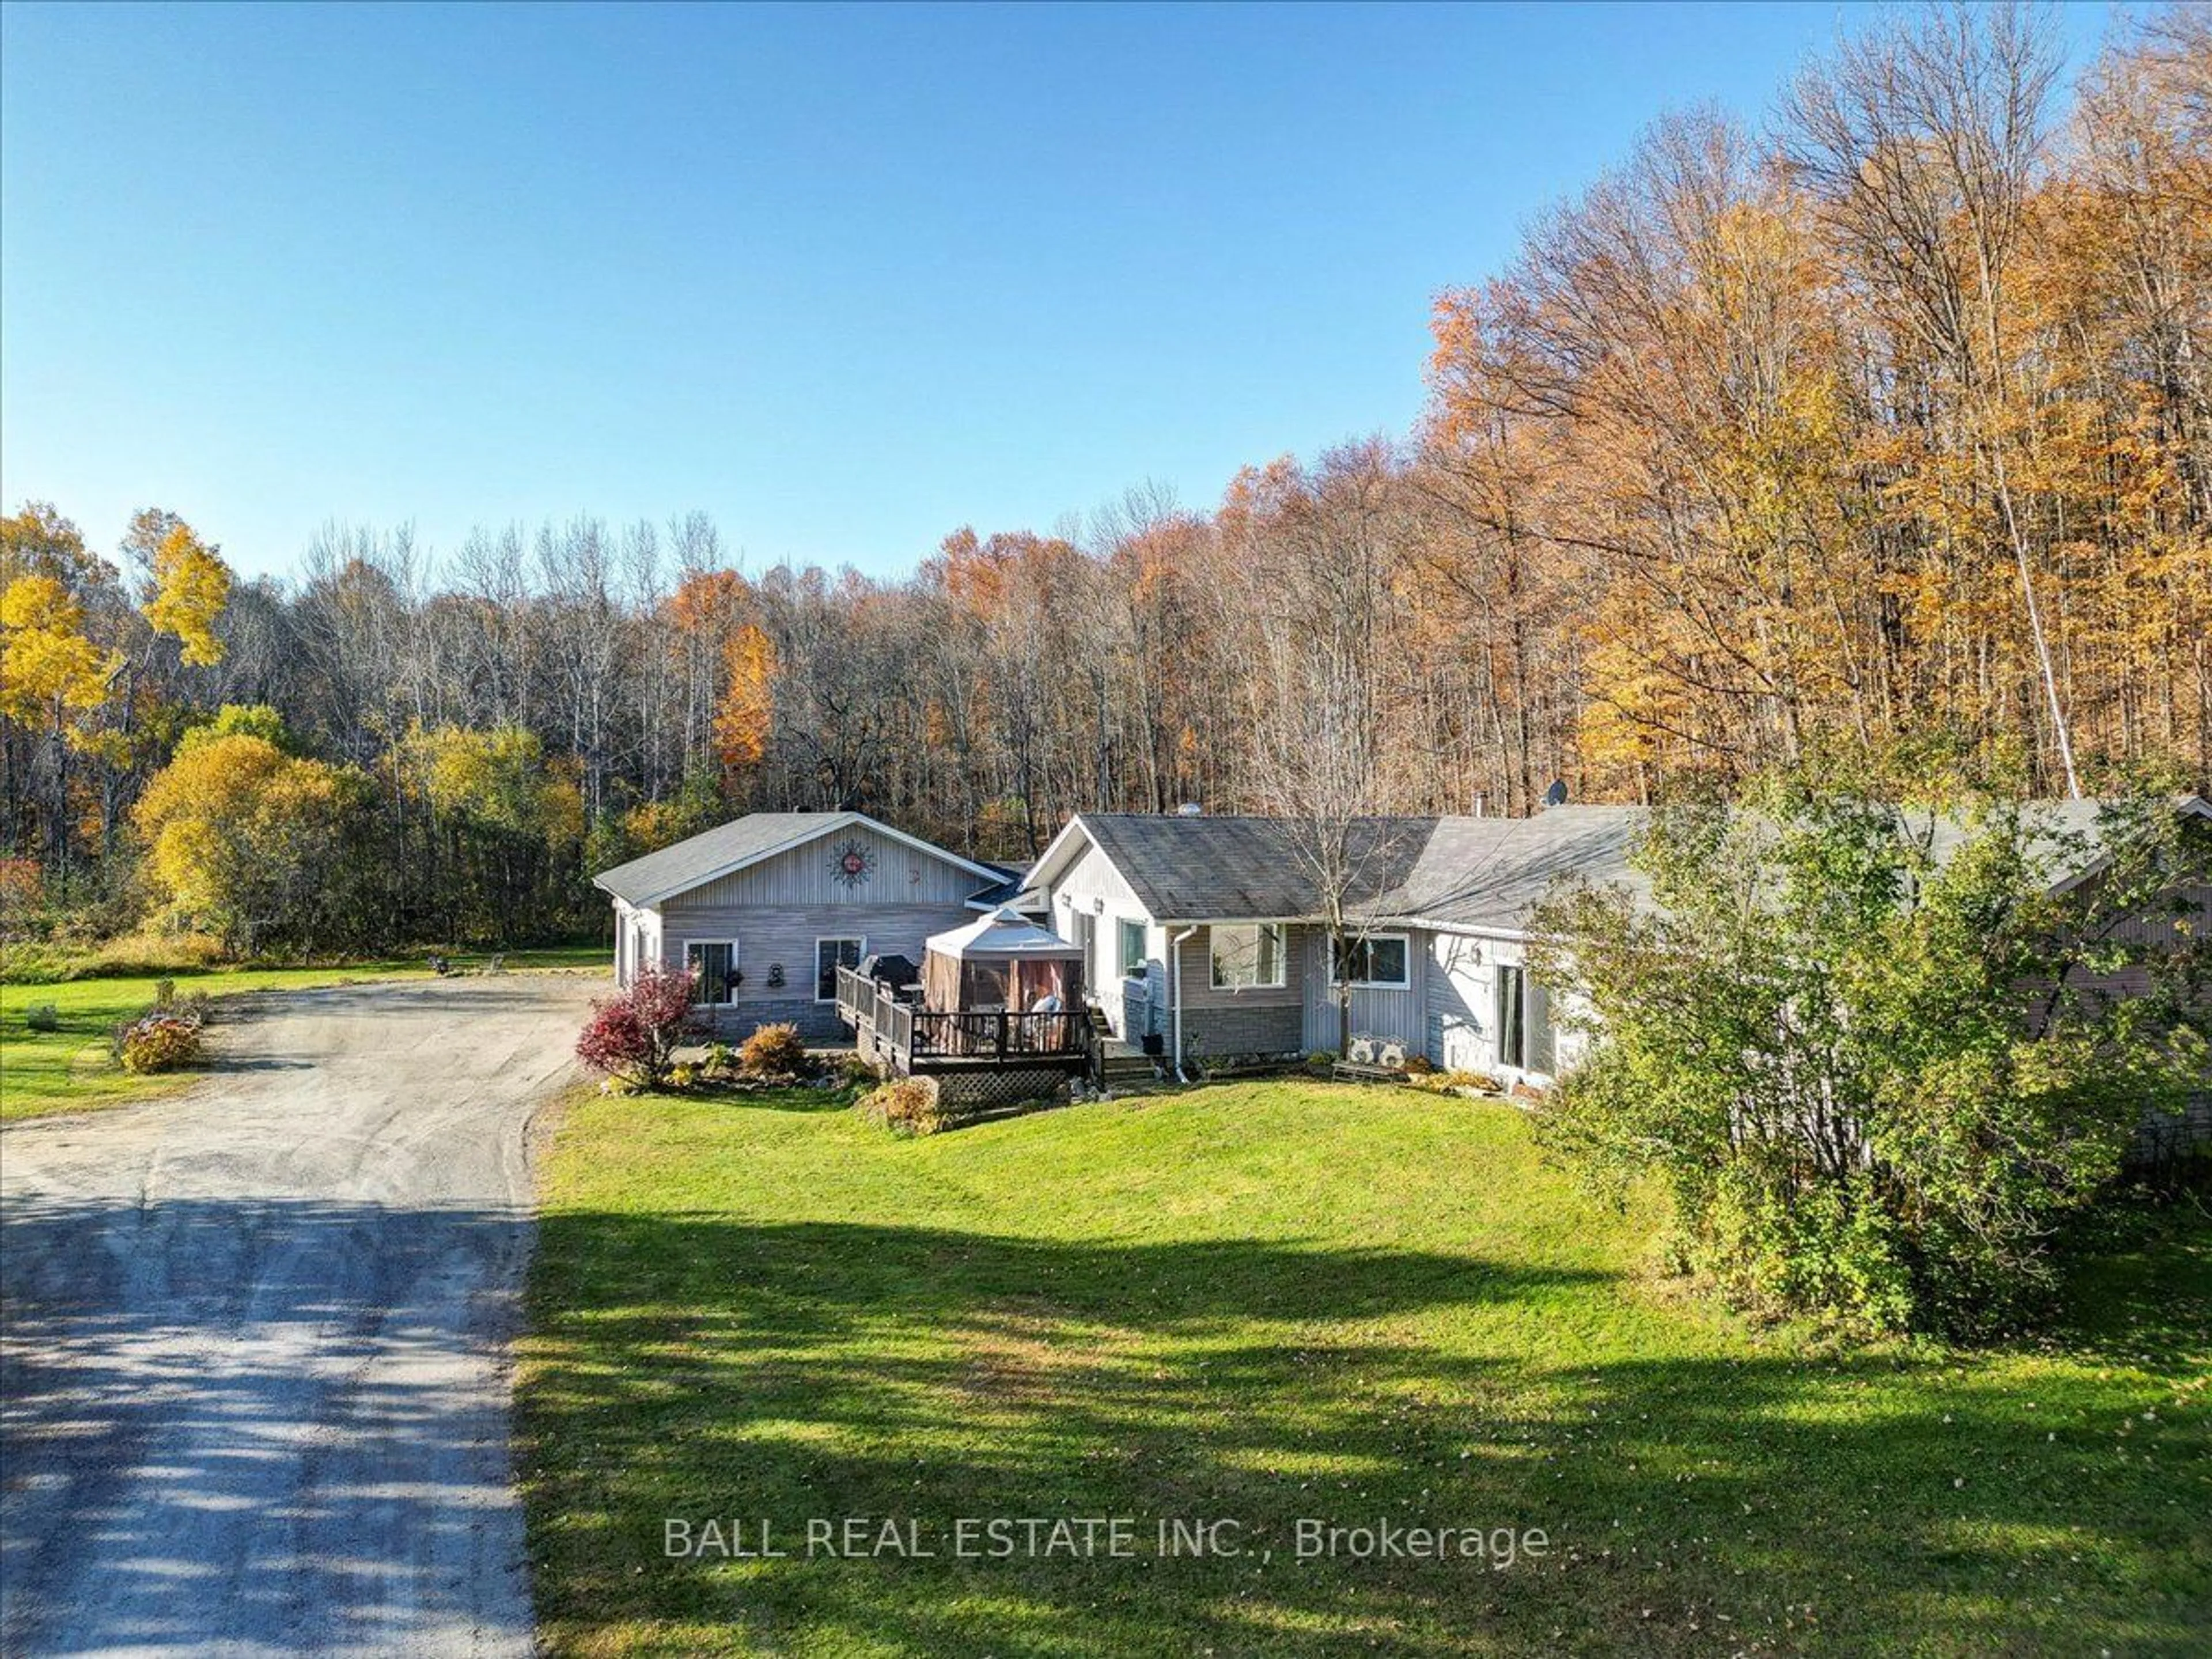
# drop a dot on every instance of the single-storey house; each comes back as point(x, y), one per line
point(1204, 935)
point(1200, 936)
point(765, 908)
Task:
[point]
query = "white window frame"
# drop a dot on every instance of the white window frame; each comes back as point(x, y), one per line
point(860, 939)
point(1405, 950)
point(686, 959)
point(1282, 955)
point(1121, 925)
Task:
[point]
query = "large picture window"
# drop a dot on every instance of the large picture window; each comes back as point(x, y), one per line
point(830, 954)
point(1377, 962)
point(713, 965)
point(1247, 957)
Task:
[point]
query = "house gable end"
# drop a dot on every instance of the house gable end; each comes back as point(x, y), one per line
point(745, 843)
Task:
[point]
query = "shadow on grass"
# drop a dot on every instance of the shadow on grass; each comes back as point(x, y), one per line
point(690, 1366)
point(2135, 1283)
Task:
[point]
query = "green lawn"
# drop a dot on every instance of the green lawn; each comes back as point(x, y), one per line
point(70, 1069)
point(1278, 1301)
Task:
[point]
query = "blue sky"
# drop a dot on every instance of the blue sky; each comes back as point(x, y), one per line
point(845, 278)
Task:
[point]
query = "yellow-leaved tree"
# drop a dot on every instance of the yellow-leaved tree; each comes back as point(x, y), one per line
point(188, 587)
point(500, 816)
point(48, 668)
point(248, 841)
point(747, 716)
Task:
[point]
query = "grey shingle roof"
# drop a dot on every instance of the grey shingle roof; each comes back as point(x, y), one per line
point(1225, 868)
point(1009, 891)
point(691, 861)
point(1489, 872)
point(1483, 871)
point(1465, 872)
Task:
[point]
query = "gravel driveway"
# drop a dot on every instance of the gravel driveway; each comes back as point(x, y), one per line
point(253, 1393)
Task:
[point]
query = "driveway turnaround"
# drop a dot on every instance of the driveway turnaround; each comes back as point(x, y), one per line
point(253, 1390)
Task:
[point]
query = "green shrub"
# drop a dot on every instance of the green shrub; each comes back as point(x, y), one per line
point(35, 962)
point(42, 1017)
point(774, 1051)
point(159, 1042)
point(1823, 1040)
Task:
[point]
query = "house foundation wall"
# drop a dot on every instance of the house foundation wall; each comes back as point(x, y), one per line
point(817, 1022)
point(1255, 1030)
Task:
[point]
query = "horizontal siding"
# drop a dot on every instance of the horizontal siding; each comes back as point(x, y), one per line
point(768, 935)
point(1463, 1006)
point(807, 875)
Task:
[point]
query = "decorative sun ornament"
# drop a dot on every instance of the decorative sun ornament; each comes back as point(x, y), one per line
point(852, 864)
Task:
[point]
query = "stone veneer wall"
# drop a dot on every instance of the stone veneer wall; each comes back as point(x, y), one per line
point(817, 1022)
point(1255, 1030)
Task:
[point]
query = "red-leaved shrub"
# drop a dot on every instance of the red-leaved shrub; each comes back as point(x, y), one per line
point(634, 1035)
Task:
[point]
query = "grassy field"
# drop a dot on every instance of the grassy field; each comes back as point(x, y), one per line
point(1274, 1302)
point(70, 1070)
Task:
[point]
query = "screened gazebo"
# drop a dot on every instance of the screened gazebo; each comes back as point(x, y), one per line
point(1001, 963)
point(1001, 993)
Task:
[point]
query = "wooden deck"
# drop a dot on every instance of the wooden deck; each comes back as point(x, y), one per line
point(914, 1040)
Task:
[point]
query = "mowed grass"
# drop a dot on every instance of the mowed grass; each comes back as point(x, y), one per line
point(1277, 1301)
point(70, 1069)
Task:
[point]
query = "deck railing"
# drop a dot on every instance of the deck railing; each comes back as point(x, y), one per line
point(909, 1036)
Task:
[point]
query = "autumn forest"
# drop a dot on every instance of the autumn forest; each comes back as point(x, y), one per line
point(1875, 434)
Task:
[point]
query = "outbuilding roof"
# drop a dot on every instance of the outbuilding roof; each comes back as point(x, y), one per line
point(726, 847)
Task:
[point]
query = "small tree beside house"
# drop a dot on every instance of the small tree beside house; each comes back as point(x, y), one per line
point(1318, 759)
point(632, 1036)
